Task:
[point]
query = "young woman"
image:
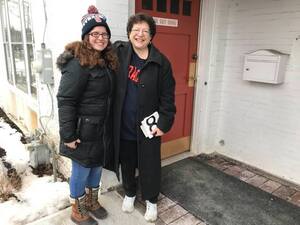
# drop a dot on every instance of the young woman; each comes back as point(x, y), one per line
point(144, 85)
point(84, 103)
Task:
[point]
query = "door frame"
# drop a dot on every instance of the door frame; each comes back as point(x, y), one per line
point(200, 142)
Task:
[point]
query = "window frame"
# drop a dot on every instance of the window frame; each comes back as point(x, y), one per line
point(29, 88)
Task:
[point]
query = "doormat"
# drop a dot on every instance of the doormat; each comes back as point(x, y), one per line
point(221, 199)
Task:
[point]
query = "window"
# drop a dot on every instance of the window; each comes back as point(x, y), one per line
point(161, 5)
point(147, 4)
point(187, 7)
point(175, 6)
point(29, 44)
point(18, 42)
point(6, 48)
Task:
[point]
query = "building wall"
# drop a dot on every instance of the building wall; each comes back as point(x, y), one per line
point(208, 93)
point(117, 13)
point(255, 123)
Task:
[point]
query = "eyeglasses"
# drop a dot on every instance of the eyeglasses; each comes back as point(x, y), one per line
point(137, 31)
point(97, 35)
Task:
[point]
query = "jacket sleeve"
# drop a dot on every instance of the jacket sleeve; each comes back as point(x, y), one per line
point(72, 85)
point(167, 108)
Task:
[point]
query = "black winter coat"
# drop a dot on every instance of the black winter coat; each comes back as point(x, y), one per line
point(84, 110)
point(155, 93)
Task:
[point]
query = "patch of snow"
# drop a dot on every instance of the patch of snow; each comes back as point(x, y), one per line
point(39, 196)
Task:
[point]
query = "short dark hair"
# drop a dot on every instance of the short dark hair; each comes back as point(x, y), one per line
point(141, 17)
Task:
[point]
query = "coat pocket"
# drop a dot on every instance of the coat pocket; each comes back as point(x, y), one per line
point(89, 129)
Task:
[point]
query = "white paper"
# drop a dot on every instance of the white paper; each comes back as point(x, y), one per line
point(149, 123)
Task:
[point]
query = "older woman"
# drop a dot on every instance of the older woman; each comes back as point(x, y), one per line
point(144, 85)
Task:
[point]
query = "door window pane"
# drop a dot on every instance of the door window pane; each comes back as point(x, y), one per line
point(175, 6)
point(19, 66)
point(187, 7)
point(161, 5)
point(147, 4)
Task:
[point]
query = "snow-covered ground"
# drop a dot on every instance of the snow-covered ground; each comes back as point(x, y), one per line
point(38, 196)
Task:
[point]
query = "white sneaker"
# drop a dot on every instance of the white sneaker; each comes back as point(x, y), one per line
point(128, 204)
point(151, 212)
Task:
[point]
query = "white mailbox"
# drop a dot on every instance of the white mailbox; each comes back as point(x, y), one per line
point(266, 65)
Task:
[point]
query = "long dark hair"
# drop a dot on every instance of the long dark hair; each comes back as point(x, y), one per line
point(90, 57)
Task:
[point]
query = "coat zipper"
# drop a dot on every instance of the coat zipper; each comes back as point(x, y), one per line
point(107, 116)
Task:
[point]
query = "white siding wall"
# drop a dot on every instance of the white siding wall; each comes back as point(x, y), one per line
point(117, 13)
point(259, 123)
point(207, 111)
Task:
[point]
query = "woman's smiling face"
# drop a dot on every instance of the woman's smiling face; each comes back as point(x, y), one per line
point(139, 35)
point(98, 38)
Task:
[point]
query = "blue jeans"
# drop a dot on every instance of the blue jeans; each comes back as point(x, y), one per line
point(82, 177)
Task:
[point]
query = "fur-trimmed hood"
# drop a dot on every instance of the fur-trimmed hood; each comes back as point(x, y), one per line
point(87, 56)
point(68, 54)
point(63, 59)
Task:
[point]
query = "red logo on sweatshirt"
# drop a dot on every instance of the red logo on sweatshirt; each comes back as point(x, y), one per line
point(133, 73)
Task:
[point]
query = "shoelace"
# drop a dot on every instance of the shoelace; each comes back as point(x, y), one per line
point(94, 198)
point(149, 206)
point(81, 208)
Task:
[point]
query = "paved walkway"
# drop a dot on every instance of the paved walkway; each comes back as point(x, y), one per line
point(278, 187)
point(170, 212)
point(111, 201)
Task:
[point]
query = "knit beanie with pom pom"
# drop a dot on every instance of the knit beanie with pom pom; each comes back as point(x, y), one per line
point(92, 19)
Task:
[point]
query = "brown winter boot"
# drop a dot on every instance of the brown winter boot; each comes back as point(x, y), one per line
point(79, 214)
point(92, 204)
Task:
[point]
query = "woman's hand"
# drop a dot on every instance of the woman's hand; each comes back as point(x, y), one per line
point(157, 132)
point(73, 144)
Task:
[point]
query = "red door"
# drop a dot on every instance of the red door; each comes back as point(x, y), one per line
point(177, 32)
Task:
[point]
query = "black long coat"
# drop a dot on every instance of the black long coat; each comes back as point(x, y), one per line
point(155, 93)
point(84, 110)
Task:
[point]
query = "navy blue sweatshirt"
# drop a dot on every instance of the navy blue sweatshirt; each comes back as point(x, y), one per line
point(129, 115)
